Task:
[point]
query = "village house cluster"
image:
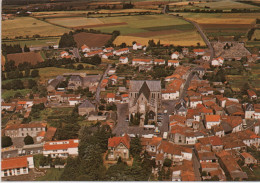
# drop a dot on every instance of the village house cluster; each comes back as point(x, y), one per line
point(188, 121)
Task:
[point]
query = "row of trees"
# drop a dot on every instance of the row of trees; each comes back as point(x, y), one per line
point(19, 74)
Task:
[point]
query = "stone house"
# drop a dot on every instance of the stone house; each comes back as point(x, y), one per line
point(119, 147)
point(86, 107)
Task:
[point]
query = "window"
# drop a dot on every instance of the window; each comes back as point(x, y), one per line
point(24, 170)
point(22, 134)
point(18, 171)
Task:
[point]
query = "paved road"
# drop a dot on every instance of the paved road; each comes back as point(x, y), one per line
point(97, 95)
point(204, 37)
point(76, 53)
point(122, 125)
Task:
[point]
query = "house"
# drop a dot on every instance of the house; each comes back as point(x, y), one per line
point(7, 106)
point(217, 61)
point(86, 107)
point(168, 94)
point(75, 101)
point(61, 148)
point(118, 147)
point(185, 51)
point(207, 157)
point(175, 55)
point(93, 53)
point(16, 166)
point(85, 48)
point(235, 122)
point(138, 61)
point(248, 158)
point(251, 94)
point(107, 55)
point(159, 61)
point(121, 51)
point(151, 145)
point(113, 79)
point(144, 97)
point(123, 60)
point(75, 82)
point(184, 172)
point(125, 98)
point(53, 84)
point(249, 111)
point(49, 134)
point(206, 57)
point(199, 51)
point(229, 164)
point(137, 46)
point(109, 49)
point(180, 108)
point(104, 84)
point(194, 102)
point(111, 71)
point(211, 120)
point(174, 63)
point(64, 54)
point(110, 97)
point(22, 130)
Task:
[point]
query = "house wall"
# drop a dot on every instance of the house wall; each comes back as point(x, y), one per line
point(237, 128)
point(15, 171)
point(178, 138)
point(170, 96)
point(119, 151)
point(210, 124)
point(22, 132)
point(86, 111)
point(249, 114)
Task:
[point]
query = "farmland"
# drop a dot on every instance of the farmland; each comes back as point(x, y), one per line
point(30, 57)
point(223, 24)
point(27, 26)
point(92, 40)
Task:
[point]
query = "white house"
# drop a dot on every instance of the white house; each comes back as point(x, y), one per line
point(16, 166)
point(109, 49)
point(175, 55)
point(111, 97)
point(64, 54)
point(212, 120)
point(170, 94)
point(61, 148)
point(199, 51)
point(137, 46)
point(217, 61)
point(85, 48)
point(174, 63)
point(107, 55)
point(74, 101)
point(121, 51)
point(123, 60)
point(195, 102)
point(159, 61)
point(139, 61)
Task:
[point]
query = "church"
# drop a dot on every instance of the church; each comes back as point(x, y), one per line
point(145, 98)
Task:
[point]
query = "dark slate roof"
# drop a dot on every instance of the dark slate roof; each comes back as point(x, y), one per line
point(91, 78)
point(145, 91)
point(227, 128)
point(154, 86)
point(86, 104)
point(250, 107)
point(180, 107)
point(75, 78)
point(54, 82)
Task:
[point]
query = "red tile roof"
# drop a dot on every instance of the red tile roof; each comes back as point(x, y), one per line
point(251, 93)
point(30, 125)
point(199, 50)
point(17, 162)
point(212, 118)
point(125, 95)
point(111, 95)
point(115, 141)
point(173, 61)
point(113, 77)
point(61, 144)
point(141, 60)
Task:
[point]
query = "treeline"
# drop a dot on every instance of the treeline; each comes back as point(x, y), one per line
point(19, 74)
point(113, 37)
point(18, 84)
point(95, 60)
point(16, 48)
point(67, 40)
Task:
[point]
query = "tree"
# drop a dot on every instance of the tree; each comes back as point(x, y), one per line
point(27, 73)
point(28, 140)
point(35, 73)
point(6, 141)
point(31, 96)
point(80, 67)
point(67, 40)
point(135, 146)
point(31, 83)
point(26, 49)
point(167, 162)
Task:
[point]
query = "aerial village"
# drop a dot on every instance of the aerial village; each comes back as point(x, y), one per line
point(159, 111)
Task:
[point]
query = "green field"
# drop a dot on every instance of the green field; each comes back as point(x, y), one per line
point(28, 26)
point(10, 93)
point(51, 72)
point(48, 41)
point(74, 21)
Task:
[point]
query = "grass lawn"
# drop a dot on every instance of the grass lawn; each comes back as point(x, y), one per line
point(52, 174)
point(23, 26)
point(9, 93)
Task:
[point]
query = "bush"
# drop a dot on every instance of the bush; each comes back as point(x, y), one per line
point(28, 140)
point(167, 162)
point(6, 141)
